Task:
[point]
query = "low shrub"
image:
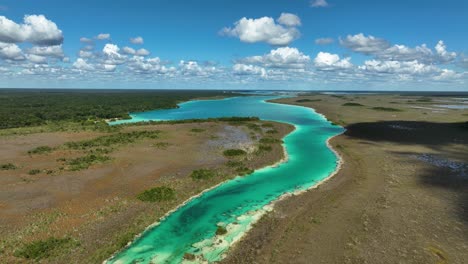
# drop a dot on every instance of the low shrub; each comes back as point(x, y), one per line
point(41, 150)
point(8, 166)
point(82, 163)
point(157, 194)
point(233, 163)
point(244, 171)
point(386, 109)
point(254, 127)
point(114, 139)
point(268, 140)
point(202, 174)
point(265, 148)
point(272, 131)
point(43, 248)
point(34, 172)
point(352, 104)
point(162, 145)
point(308, 100)
point(234, 152)
point(268, 125)
point(197, 130)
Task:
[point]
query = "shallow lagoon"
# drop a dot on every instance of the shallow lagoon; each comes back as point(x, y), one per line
point(237, 203)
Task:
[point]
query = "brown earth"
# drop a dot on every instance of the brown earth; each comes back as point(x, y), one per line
point(400, 197)
point(97, 207)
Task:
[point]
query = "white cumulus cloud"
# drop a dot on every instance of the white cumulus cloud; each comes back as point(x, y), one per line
point(381, 49)
point(192, 68)
point(10, 51)
point(111, 50)
point(48, 51)
point(103, 36)
point(328, 61)
point(319, 3)
point(364, 44)
point(36, 29)
point(264, 29)
point(82, 65)
point(244, 69)
point(284, 57)
point(142, 52)
point(86, 40)
point(398, 67)
point(137, 40)
point(289, 20)
point(444, 56)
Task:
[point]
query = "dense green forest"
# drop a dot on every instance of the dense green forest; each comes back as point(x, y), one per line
point(28, 107)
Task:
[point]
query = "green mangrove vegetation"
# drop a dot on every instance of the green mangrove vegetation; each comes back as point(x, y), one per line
point(269, 140)
point(234, 152)
point(352, 104)
point(263, 147)
point(41, 249)
point(202, 174)
point(157, 194)
point(36, 107)
point(234, 163)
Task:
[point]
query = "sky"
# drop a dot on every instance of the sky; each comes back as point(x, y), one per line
point(235, 44)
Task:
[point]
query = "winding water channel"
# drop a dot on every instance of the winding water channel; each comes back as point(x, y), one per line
point(237, 203)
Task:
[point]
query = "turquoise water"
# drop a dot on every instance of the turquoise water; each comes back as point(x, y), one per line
point(237, 203)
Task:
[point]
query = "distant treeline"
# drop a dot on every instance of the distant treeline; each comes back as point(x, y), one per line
point(23, 108)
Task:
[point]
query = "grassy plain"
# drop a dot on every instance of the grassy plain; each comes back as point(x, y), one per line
point(74, 191)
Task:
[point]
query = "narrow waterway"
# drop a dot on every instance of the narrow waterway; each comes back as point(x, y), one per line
point(237, 203)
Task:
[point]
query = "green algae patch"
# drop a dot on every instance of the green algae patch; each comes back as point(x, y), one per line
point(157, 194)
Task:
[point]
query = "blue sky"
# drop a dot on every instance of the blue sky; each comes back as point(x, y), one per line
point(208, 44)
